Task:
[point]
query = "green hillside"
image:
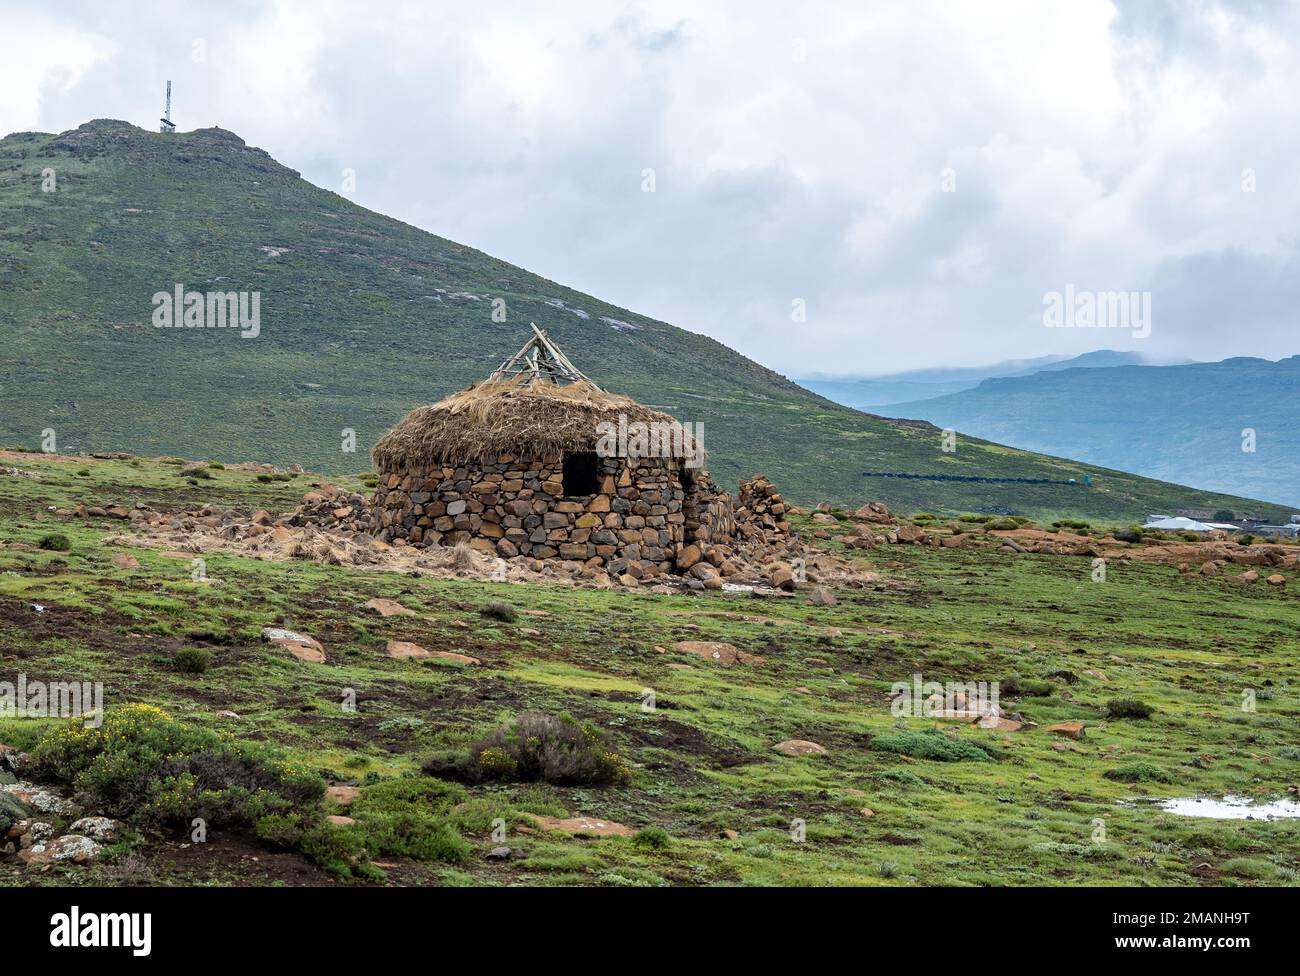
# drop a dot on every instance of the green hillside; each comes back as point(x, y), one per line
point(364, 317)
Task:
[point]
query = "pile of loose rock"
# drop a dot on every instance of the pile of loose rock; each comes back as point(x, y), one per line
point(336, 510)
point(760, 512)
point(32, 820)
point(330, 526)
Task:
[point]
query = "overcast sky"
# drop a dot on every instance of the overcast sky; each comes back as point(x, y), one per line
point(919, 175)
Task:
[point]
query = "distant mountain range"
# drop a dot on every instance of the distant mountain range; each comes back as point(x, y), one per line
point(1182, 423)
point(872, 392)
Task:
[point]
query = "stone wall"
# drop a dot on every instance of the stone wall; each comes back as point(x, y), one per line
point(515, 506)
point(760, 512)
point(709, 513)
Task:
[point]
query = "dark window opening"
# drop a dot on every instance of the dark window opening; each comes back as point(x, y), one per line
point(581, 473)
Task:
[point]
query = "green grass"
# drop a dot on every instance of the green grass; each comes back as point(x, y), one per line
point(702, 762)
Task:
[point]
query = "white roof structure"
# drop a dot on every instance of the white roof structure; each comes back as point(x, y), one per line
point(1181, 524)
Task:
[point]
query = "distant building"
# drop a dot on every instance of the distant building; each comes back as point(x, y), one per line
point(1291, 530)
point(1181, 524)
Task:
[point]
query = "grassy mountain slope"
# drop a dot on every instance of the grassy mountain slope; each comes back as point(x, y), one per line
point(364, 317)
point(1182, 423)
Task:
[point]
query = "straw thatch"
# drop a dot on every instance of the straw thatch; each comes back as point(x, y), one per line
point(522, 416)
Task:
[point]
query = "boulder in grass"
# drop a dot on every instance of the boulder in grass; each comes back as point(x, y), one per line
point(342, 794)
point(584, 826)
point(1071, 730)
point(301, 646)
point(388, 608)
point(782, 578)
point(97, 828)
point(405, 649)
point(454, 657)
point(720, 651)
point(800, 747)
point(68, 849)
point(822, 597)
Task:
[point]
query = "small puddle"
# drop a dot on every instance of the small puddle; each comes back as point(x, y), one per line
point(1226, 808)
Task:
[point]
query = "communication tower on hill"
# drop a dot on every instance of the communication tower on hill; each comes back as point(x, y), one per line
point(165, 124)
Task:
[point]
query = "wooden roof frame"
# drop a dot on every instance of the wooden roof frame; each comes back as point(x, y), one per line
point(540, 357)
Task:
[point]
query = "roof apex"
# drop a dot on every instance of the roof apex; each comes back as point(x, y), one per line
point(540, 357)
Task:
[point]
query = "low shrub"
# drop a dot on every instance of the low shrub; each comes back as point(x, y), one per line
point(1249, 867)
point(1077, 525)
point(1138, 772)
point(1128, 708)
point(500, 611)
point(1018, 687)
point(408, 817)
point(55, 542)
point(929, 745)
point(537, 747)
point(142, 765)
point(191, 660)
point(899, 776)
point(654, 838)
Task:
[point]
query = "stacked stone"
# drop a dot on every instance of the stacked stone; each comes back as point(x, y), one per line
point(708, 510)
point(515, 506)
point(760, 512)
point(335, 509)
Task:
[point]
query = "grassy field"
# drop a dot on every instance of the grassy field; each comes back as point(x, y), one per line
point(364, 317)
point(1021, 808)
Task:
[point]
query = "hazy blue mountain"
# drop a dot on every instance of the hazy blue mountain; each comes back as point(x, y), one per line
point(864, 392)
point(1180, 423)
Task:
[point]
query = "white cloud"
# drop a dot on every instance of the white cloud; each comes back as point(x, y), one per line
point(797, 149)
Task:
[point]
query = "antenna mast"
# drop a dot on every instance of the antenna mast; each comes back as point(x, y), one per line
point(165, 123)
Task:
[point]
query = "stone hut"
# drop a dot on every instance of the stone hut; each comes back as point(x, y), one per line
point(530, 462)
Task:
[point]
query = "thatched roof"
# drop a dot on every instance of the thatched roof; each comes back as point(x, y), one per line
point(524, 416)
